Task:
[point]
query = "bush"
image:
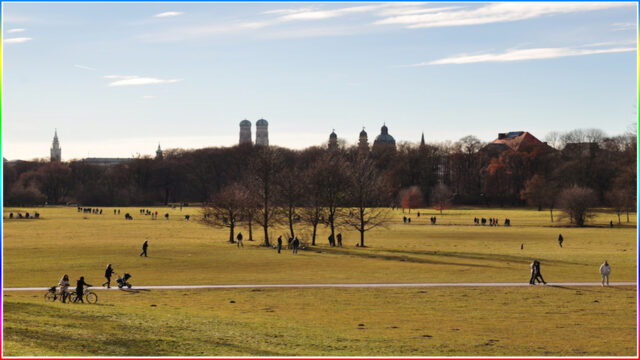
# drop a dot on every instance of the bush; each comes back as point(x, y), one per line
point(577, 203)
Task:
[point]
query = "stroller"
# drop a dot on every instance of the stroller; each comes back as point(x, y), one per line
point(122, 281)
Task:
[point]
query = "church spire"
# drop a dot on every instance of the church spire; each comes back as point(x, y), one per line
point(56, 151)
point(422, 144)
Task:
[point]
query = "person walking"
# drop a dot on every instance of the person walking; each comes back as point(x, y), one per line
point(145, 245)
point(339, 237)
point(538, 273)
point(107, 274)
point(605, 270)
point(532, 267)
point(239, 238)
point(64, 287)
point(296, 244)
point(560, 240)
point(279, 243)
point(80, 284)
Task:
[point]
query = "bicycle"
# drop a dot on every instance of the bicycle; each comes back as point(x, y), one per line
point(52, 295)
point(89, 295)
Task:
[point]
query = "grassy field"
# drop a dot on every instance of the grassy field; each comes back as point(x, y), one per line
point(282, 322)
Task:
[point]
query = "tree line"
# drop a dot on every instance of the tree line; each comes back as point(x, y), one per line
point(317, 183)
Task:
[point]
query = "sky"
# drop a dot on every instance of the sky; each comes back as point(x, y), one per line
point(117, 79)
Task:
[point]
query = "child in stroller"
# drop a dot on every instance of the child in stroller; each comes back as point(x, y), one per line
point(122, 281)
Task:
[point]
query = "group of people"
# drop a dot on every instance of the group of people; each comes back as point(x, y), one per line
point(293, 243)
point(605, 271)
point(332, 240)
point(491, 221)
point(35, 215)
point(89, 210)
point(64, 288)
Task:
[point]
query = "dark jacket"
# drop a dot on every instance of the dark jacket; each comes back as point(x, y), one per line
point(108, 272)
point(80, 286)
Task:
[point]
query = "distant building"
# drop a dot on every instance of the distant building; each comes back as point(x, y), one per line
point(363, 142)
point(333, 140)
point(159, 153)
point(422, 143)
point(245, 132)
point(262, 132)
point(519, 141)
point(384, 139)
point(56, 151)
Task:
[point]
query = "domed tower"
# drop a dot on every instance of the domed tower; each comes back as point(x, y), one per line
point(363, 142)
point(56, 151)
point(159, 152)
point(245, 132)
point(262, 132)
point(333, 140)
point(384, 139)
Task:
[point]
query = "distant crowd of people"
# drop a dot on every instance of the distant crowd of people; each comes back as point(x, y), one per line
point(491, 221)
point(27, 215)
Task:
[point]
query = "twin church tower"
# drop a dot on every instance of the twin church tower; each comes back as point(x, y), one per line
point(262, 132)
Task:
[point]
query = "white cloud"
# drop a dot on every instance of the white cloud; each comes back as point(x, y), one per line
point(16, 40)
point(522, 55)
point(624, 26)
point(495, 13)
point(168, 14)
point(130, 80)
point(84, 67)
point(13, 31)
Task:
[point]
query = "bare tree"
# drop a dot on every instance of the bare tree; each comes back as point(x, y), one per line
point(411, 198)
point(441, 196)
point(264, 167)
point(225, 209)
point(289, 194)
point(312, 212)
point(469, 144)
point(618, 200)
point(577, 203)
point(539, 193)
point(332, 169)
point(553, 139)
point(367, 196)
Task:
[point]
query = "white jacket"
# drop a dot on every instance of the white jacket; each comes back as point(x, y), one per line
point(605, 269)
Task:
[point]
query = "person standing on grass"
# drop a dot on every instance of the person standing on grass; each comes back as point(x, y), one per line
point(239, 238)
point(339, 237)
point(279, 243)
point(295, 244)
point(560, 240)
point(64, 287)
point(145, 245)
point(80, 284)
point(107, 274)
point(605, 270)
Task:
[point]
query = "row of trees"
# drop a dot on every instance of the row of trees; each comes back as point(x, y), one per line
point(335, 190)
point(413, 176)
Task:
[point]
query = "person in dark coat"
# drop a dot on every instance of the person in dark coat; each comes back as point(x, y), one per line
point(80, 284)
point(145, 245)
point(296, 244)
point(535, 273)
point(239, 238)
point(107, 274)
point(560, 240)
point(279, 243)
point(339, 237)
point(539, 274)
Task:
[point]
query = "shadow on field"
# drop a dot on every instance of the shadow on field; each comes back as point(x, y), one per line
point(134, 291)
point(403, 258)
point(484, 256)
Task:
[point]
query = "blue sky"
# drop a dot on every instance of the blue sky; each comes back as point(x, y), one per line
point(116, 79)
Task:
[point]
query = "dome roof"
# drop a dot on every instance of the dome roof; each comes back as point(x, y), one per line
point(333, 135)
point(262, 122)
point(245, 122)
point(384, 137)
point(363, 133)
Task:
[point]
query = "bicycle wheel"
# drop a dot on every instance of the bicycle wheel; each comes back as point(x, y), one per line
point(92, 298)
point(72, 297)
point(49, 296)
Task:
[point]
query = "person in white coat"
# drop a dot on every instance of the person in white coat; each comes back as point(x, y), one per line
point(605, 270)
point(64, 287)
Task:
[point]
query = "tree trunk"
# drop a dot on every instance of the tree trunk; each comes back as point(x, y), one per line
point(250, 230)
point(231, 228)
point(551, 211)
point(313, 236)
point(361, 238)
point(291, 222)
point(627, 215)
point(618, 217)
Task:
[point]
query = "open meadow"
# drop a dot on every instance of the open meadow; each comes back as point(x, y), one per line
point(559, 321)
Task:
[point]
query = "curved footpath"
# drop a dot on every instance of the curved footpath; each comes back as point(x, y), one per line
point(240, 286)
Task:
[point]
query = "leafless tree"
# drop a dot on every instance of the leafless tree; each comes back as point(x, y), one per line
point(367, 196)
point(225, 209)
point(333, 170)
point(263, 170)
point(441, 196)
point(312, 212)
point(577, 203)
point(289, 194)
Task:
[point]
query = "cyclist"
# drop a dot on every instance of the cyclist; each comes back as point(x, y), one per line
point(64, 287)
point(80, 284)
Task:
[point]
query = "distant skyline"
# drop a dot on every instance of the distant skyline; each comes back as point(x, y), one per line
point(116, 79)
